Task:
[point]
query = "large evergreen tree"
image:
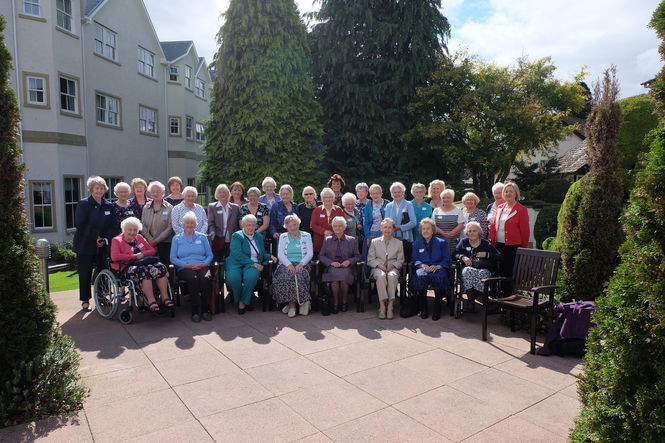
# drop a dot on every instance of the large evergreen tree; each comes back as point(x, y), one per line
point(369, 58)
point(263, 115)
point(38, 369)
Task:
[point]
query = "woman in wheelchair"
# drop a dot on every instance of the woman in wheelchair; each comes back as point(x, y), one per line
point(191, 254)
point(245, 262)
point(131, 252)
point(338, 254)
point(431, 259)
point(479, 258)
point(385, 258)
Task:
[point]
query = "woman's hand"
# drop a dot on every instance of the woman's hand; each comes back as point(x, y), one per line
point(381, 268)
point(299, 267)
point(335, 264)
point(153, 243)
point(359, 228)
point(327, 233)
point(275, 235)
point(345, 264)
point(140, 255)
point(274, 259)
point(259, 267)
point(100, 242)
point(291, 268)
point(211, 236)
point(481, 255)
point(389, 268)
point(467, 261)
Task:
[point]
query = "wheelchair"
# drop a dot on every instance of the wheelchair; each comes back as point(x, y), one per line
point(113, 288)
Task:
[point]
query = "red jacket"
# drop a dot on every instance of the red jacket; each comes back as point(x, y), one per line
point(321, 223)
point(122, 251)
point(517, 227)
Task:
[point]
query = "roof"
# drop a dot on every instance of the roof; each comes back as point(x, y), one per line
point(648, 83)
point(579, 124)
point(175, 50)
point(574, 160)
point(92, 5)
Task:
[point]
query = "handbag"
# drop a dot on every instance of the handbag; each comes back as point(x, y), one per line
point(151, 260)
point(405, 218)
point(409, 306)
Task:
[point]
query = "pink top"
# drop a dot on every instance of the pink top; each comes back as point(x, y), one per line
point(123, 251)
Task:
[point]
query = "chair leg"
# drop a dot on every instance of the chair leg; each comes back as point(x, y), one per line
point(485, 321)
point(512, 321)
point(534, 318)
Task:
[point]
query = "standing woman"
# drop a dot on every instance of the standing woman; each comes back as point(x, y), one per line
point(121, 208)
point(337, 184)
point(280, 210)
point(449, 220)
point(223, 219)
point(385, 258)
point(306, 208)
point(175, 191)
point(338, 254)
point(404, 217)
point(354, 225)
point(189, 205)
point(497, 192)
point(95, 227)
point(323, 216)
point(375, 211)
point(420, 206)
point(471, 213)
point(139, 189)
point(238, 194)
point(269, 198)
point(156, 222)
point(510, 228)
point(436, 187)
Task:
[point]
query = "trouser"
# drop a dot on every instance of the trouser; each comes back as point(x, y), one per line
point(164, 253)
point(386, 284)
point(85, 264)
point(199, 285)
point(242, 280)
point(508, 254)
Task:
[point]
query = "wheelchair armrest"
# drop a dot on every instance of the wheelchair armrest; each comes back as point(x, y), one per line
point(543, 289)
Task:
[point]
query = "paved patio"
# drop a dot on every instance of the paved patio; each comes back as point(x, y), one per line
point(347, 377)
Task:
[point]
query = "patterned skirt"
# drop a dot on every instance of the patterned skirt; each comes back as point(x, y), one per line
point(430, 280)
point(288, 287)
point(472, 278)
point(146, 272)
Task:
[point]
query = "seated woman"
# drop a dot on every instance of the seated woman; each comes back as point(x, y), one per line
point(338, 254)
point(244, 263)
point(129, 246)
point(480, 259)
point(431, 259)
point(385, 258)
point(291, 279)
point(191, 255)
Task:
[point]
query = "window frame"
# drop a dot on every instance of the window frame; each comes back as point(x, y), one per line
point(106, 123)
point(200, 88)
point(77, 95)
point(104, 43)
point(188, 77)
point(189, 119)
point(111, 181)
point(173, 118)
point(156, 122)
point(199, 135)
point(26, 90)
point(143, 64)
point(71, 204)
point(177, 74)
point(51, 205)
point(34, 4)
point(59, 12)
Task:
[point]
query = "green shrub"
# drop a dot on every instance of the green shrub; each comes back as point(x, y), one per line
point(550, 244)
point(546, 224)
point(553, 190)
point(638, 120)
point(63, 253)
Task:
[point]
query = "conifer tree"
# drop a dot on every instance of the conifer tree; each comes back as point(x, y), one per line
point(263, 115)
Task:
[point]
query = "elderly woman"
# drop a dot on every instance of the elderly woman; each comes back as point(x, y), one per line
point(362, 194)
point(479, 257)
point(449, 219)
point(510, 228)
point(385, 258)
point(291, 279)
point(259, 210)
point(269, 198)
point(245, 262)
point(431, 258)
point(139, 189)
point(421, 208)
point(237, 194)
point(436, 187)
point(374, 212)
point(174, 185)
point(402, 213)
point(156, 222)
point(337, 184)
point(322, 217)
point(338, 254)
point(121, 206)
point(497, 192)
point(223, 219)
point(471, 212)
point(130, 246)
point(281, 210)
point(354, 224)
point(189, 205)
point(95, 227)
point(306, 208)
point(191, 255)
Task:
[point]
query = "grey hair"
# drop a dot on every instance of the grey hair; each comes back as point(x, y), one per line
point(287, 187)
point(157, 184)
point(268, 180)
point(399, 185)
point(190, 216)
point(448, 191)
point(349, 196)
point(190, 189)
point(247, 218)
point(306, 188)
point(327, 191)
point(388, 220)
point(472, 196)
point(96, 181)
point(497, 185)
point(131, 221)
point(222, 187)
point(428, 221)
point(418, 186)
point(362, 185)
point(339, 219)
point(255, 190)
point(473, 223)
point(121, 185)
point(291, 218)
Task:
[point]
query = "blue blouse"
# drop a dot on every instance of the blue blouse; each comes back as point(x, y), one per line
point(186, 250)
point(278, 213)
point(424, 211)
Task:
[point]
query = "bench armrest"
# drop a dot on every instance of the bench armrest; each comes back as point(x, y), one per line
point(543, 289)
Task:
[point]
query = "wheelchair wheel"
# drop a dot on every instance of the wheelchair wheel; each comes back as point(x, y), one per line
point(126, 316)
point(107, 292)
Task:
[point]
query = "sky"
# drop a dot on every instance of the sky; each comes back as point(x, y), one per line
point(584, 33)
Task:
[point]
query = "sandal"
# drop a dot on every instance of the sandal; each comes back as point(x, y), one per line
point(85, 307)
point(167, 302)
point(153, 307)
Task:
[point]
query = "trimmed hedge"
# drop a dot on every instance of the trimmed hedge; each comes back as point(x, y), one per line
point(546, 224)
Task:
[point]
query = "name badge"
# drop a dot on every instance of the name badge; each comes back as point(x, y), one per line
point(107, 212)
point(468, 248)
point(220, 212)
point(259, 214)
point(141, 245)
point(130, 212)
point(197, 242)
point(421, 250)
point(322, 215)
point(423, 209)
point(165, 213)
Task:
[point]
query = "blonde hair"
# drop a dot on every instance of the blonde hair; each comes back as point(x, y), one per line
point(435, 182)
point(388, 220)
point(139, 181)
point(515, 188)
point(375, 186)
point(472, 196)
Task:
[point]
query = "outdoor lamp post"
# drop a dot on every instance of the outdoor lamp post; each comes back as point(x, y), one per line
point(43, 249)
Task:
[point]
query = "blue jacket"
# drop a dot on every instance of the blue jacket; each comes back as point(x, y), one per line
point(263, 199)
point(397, 213)
point(187, 250)
point(424, 211)
point(93, 220)
point(241, 251)
point(367, 216)
point(278, 213)
point(439, 256)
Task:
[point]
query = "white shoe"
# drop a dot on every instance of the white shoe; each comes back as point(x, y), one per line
point(304, 308)
point(285, 309)
point(292, 312)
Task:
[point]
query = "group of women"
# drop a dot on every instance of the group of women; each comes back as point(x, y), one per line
point(248, 229)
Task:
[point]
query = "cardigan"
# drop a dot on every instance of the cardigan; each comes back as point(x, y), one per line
point(439, 254)
point(240, 252)
point(517, 227)
point(278, 213)
point(305, 245)
point(93, 220)
point(163, 226)
point(367, 216)
point(464, 249)
point(321, 223)
point(424, 211)
point(396, 214)
point(187, 250)
point(123, 251)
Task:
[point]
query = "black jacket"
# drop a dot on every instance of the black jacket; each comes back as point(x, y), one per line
point(93, 220)
point(464, 249)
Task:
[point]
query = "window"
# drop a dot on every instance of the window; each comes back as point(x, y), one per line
point(72, 196)
point(200, 90)
point(146, 62)
point(31, 7)
point(108, 110)
point(200, 137)
point(68, 100)
point(64, 14)
point(188, 77)
point(174, 126)
point(147, 120)
point(111, 182)
point(189, 122)
point(36, 90)
point(42, 205)
point(105, 42)
point(173, 73)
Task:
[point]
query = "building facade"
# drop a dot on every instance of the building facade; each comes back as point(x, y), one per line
point(99, 95)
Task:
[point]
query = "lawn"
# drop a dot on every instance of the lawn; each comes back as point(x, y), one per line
point(63, 281)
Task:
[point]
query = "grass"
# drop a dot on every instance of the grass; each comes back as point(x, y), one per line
point(63, 281)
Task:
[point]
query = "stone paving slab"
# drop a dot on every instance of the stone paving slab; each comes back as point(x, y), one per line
point(344, 378)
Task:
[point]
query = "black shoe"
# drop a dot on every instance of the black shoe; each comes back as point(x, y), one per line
point(241, 311)
point(85, 306)
point(249, 308)
point(435, 316)
point(207, 316)
point(335, 310)
point(196, 318)
point(424, 315)
point(345, 307)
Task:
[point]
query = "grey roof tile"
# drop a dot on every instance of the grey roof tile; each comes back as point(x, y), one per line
point(173, 50)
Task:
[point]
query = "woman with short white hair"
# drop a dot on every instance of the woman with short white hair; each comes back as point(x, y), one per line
point(385, 258)
point(259, 210)
point(339, 254)
point(449, 220)
point(497, 192)
point(269, 197)
point(421, 208)
point(281, 210)
point(156, 221)
point(306, 208)
point(472, 212)
point(322, 217)
point(402, 213)
point(121, 205)
point(354, 224)
point(222, 221)
point(190, 194)
point(129, 251)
